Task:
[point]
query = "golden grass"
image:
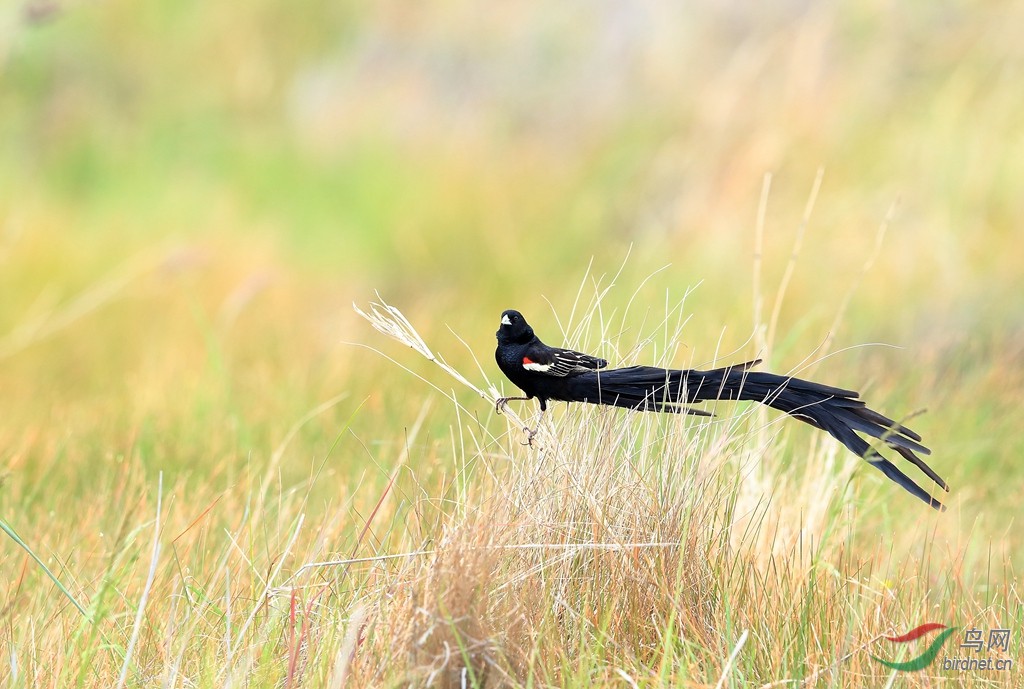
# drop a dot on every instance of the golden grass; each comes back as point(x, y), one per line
point(623, 548)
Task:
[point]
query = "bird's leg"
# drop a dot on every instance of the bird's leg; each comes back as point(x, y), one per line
point(531, 433)
point(502, 402)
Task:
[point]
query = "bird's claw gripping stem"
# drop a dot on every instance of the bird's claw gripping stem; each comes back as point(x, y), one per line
point(502, 402)
point(531, 433)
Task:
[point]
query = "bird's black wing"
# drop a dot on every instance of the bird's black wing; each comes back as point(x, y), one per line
point(560, 363)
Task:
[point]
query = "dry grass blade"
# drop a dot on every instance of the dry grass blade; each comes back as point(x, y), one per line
point(266, 590)
point(343, 659)
point(9, 530)
point(140, 611)
point(794, 255)
point(393, 323)
point(732, 658)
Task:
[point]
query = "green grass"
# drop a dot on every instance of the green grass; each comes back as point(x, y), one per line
point(193, 197)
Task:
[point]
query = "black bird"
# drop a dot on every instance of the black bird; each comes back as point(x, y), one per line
point(550, 373)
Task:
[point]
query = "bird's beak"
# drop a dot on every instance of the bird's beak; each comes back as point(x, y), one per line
point(505, 320)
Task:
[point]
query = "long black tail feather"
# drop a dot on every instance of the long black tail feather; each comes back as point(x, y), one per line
point(836, 411)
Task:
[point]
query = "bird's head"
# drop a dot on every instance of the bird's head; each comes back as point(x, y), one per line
point(514, 328)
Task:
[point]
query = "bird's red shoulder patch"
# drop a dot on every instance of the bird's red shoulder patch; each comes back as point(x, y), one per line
point(527, 360)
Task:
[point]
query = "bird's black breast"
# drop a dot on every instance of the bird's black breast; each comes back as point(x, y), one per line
point(510, 360)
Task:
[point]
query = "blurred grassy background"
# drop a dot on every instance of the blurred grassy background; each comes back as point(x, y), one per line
point(192, 194)
point(275, 163)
